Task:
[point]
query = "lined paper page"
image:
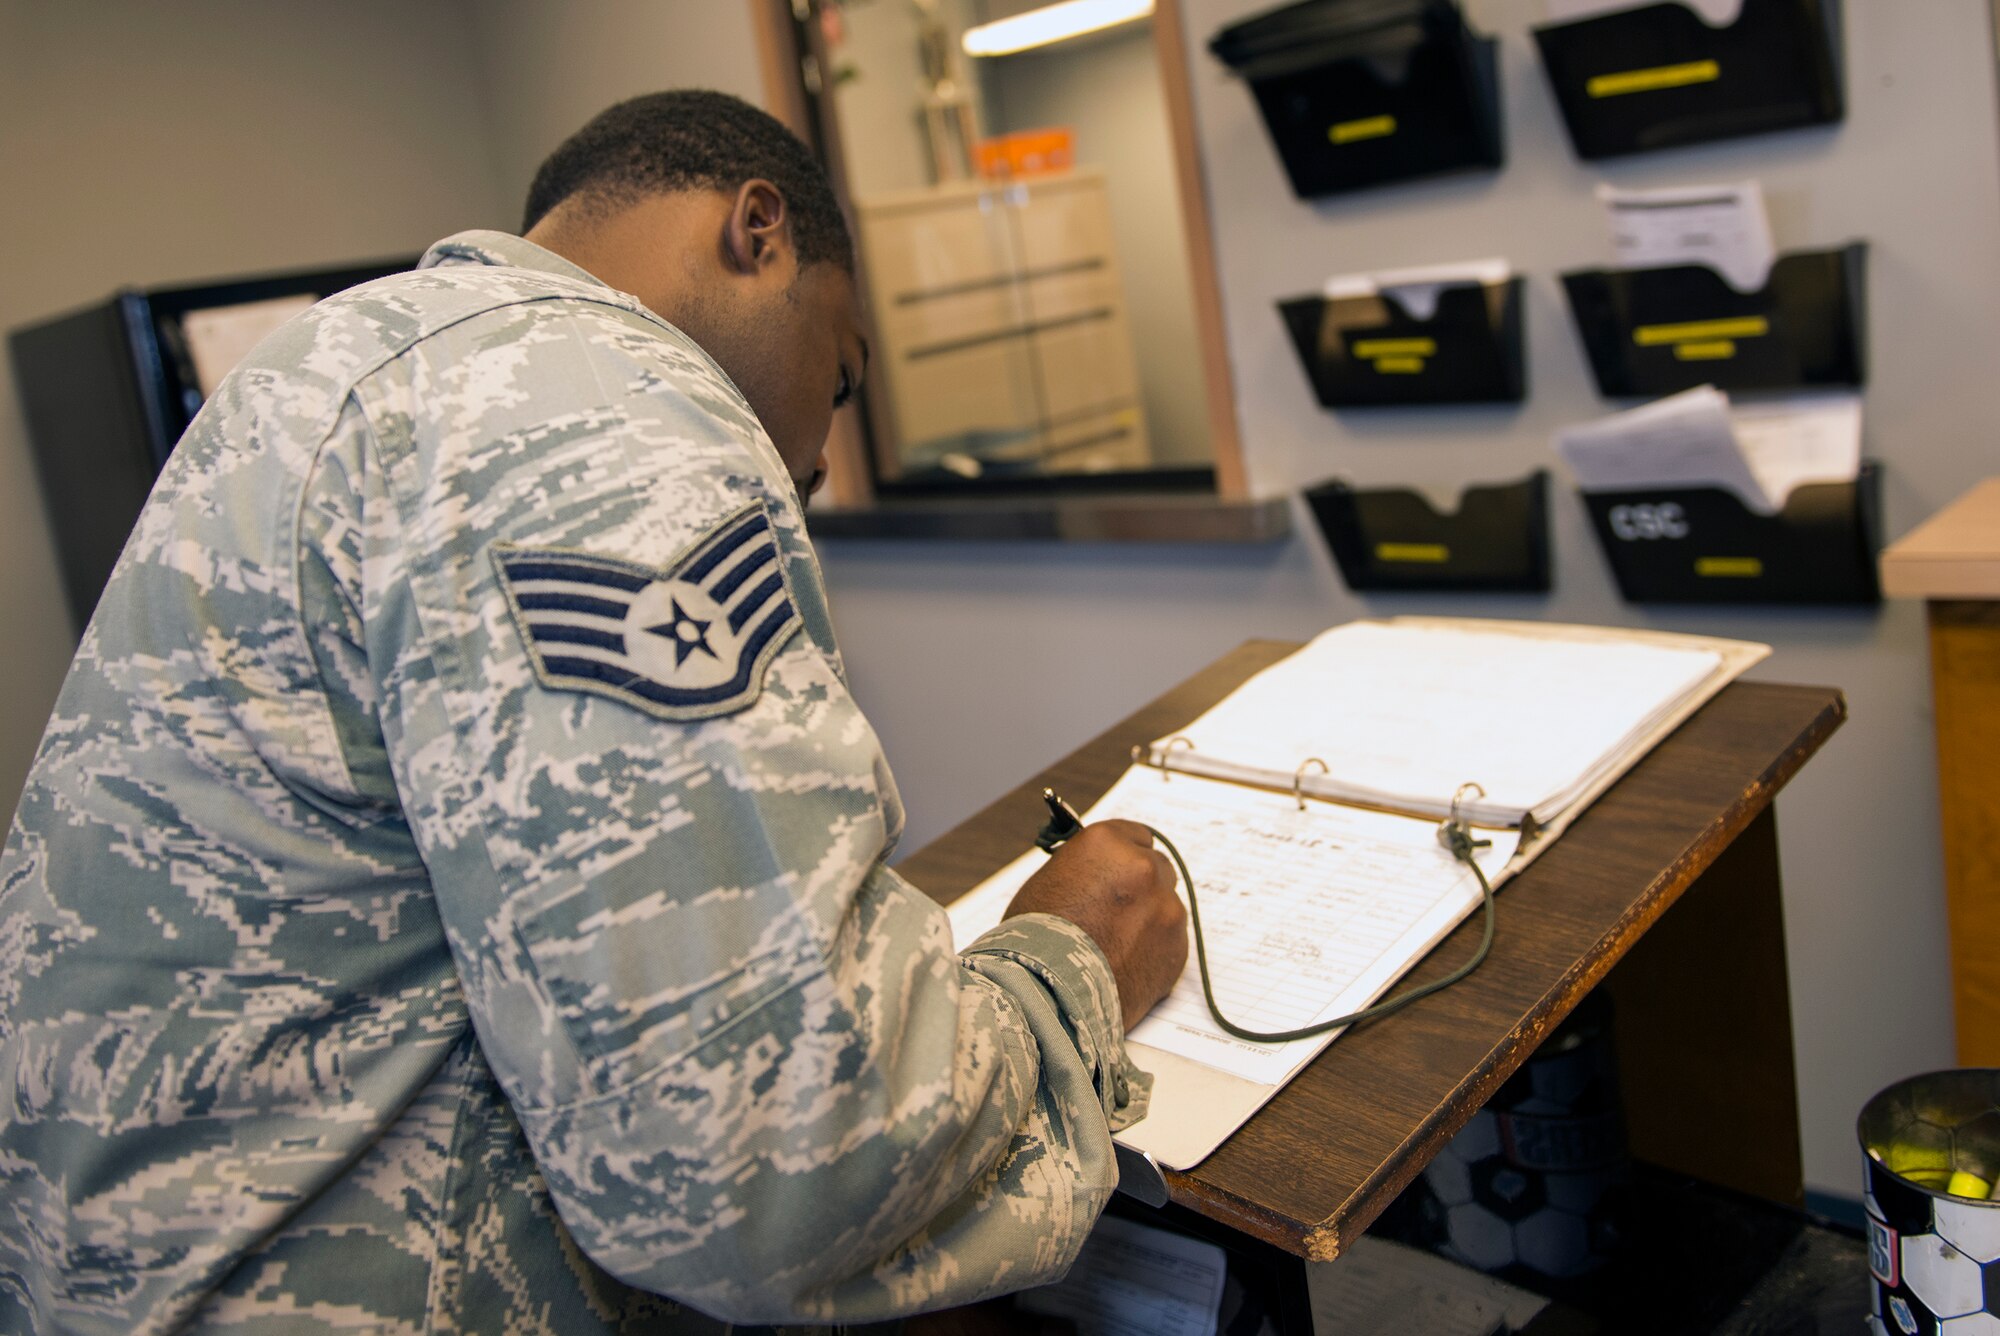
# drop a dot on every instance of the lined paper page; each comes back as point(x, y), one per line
point(1308, 915)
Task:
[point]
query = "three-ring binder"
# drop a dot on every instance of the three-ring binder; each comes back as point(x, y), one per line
point(1159, 756)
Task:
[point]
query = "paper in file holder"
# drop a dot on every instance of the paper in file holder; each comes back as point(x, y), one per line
point(1393, 539)
point(1658, 331)
point(1362, 351)
point(1660, 75)
point(1703, 545)
point(1360, 92)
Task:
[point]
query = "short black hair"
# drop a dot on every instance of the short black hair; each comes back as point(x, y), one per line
point(691, 139)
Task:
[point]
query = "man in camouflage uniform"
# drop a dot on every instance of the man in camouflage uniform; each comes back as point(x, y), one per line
point(451, 892)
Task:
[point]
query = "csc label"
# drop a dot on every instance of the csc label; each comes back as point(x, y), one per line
point(1643, 523)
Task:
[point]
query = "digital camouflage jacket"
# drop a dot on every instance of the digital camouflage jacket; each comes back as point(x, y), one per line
point(451, 896)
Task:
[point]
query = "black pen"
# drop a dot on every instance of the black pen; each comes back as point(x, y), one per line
point(1063, 822)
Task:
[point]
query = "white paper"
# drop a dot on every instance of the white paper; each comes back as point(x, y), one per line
point(1698, 438)
point(1379, 1288)
point(1402, 715)
point(1718, 13)
point(219, 337)
point(1307, 914)
point(1417, 290)
point(1724, 227)
point(1802, 439)
point(1686, 440)
point(1134, 1280)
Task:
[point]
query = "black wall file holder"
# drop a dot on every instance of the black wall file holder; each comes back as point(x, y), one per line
point(1361, 351)
point(1357, 93)
point(1392, 539)
point(1703, 545)
point(1659, 76)
point(107, 392)
point(1657, 331)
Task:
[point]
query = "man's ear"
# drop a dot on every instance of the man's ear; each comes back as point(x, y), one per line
point(757, 235)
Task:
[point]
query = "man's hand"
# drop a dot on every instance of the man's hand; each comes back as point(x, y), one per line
point(1109, 880)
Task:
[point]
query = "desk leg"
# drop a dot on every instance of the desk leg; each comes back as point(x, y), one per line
point(1703, 1021)
point(1965, 687)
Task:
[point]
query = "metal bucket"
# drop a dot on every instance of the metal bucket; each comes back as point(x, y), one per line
point(1931, 1152)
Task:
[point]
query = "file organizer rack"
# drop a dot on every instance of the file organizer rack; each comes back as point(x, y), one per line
point(1703, 545)
point(1358, 93)
point(1658, 331)
point(1659, 76)
point(107, 392)
point(1392, 538)
point(1363, 351)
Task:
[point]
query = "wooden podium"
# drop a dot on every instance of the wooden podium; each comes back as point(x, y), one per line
point(1703, 1019)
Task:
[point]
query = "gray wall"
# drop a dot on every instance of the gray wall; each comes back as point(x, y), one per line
point(145, 144)
point(547, 67)
point(978, 665)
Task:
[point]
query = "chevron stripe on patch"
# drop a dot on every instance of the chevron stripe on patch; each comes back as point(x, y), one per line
point(691, 641)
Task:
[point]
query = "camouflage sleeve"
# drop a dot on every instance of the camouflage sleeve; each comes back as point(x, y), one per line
point(752, 1070)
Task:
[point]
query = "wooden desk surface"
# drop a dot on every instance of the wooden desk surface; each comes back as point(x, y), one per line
point(1325, 1156)
point(1955, 554)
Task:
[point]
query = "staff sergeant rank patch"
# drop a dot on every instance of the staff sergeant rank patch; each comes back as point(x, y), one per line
point(688, 642)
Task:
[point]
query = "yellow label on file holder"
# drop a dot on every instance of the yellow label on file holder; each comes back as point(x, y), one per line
point(1368, 127)
point(1702, 331)
point(1653, 79)
point(1429, 553)
point(1719, 350)
point(1728, 568)
point(1399, 366)
point(1372, 348)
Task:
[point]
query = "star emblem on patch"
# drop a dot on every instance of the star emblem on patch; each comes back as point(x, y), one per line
point(691, 640)
point(685, 634)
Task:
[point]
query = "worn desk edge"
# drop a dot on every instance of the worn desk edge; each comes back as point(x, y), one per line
point(1326, 1240)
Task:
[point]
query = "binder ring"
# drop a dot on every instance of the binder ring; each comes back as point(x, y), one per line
point(1458, 796)
point(1139, 754)
point(1299, 778)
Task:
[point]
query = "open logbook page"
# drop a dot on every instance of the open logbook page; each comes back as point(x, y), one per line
point(1308, 914)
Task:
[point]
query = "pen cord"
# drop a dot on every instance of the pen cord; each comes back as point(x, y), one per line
point(1453, 835)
